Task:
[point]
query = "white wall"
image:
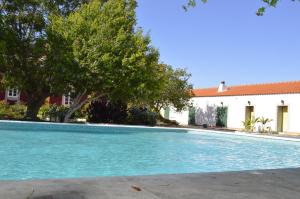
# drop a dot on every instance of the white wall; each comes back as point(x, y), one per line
point(181, 117)
point(264, 106)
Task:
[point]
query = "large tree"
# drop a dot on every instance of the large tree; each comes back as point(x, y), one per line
point(33, 57)
point(175, 90)
point(260, 11)
point(114, 57)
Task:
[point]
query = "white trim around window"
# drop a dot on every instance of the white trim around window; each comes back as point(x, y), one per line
point(67, 99)
point(12, 93)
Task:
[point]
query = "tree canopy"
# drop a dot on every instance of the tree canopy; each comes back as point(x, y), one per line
point(90, 48)
point(175, 89)
point(33, 57)
point(115, 59)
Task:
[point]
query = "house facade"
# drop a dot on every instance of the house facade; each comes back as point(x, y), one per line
point(279, 102)
point(13, 95)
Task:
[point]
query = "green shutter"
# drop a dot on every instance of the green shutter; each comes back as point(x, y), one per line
point(192, 114)
point(221, 116)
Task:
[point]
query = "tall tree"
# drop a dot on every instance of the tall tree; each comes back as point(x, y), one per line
point(33, 57)
point(175, 90)
point(115, 59)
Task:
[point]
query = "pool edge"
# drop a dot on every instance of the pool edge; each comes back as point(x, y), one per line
point(236, 133)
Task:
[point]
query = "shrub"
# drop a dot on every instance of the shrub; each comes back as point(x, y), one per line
point(249, 124)
point(142, 116)
point(103, 111)
point(18, 110)
point(54, 112)
point(14, 111)
point(44, 112)
point(264, 122)
point(3, 108)
point(57, 113)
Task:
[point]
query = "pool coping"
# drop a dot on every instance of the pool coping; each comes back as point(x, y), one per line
point(255, 184)
point(195, 131)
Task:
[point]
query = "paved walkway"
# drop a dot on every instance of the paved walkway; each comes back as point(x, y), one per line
point(271, 184)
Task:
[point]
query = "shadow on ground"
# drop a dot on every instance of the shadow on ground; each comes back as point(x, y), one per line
point(60, 195)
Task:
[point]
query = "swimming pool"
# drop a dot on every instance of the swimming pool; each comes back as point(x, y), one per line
point(45, 151)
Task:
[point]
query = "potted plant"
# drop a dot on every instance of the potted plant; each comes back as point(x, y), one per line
point(263, 122)
point(249, 124)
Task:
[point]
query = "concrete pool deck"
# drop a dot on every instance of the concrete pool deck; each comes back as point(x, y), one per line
point(267, 184)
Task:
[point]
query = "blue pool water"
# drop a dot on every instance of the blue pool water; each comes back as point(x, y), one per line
point(43, 151)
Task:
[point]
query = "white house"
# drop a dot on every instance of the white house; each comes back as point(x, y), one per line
point(277, 101)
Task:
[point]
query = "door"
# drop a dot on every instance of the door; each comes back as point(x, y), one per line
point(249, 114)
point(282, 119)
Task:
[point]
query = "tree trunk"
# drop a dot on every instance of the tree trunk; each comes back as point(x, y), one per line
point(73, 109)
point(78, 102)
point(34, 104)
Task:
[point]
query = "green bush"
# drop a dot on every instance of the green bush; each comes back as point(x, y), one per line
point(44, 112)
point(2, 109)
point(14, 111)
point(54, 112)
point(142, 116)
point(57, 113)
point(249, 124)
point(104, 111)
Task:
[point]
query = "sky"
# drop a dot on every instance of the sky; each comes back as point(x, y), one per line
point(225, 40)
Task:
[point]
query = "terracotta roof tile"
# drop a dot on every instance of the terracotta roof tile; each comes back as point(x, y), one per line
point(255, 89)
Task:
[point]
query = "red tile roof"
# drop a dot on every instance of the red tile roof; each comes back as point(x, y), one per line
point(255, 89)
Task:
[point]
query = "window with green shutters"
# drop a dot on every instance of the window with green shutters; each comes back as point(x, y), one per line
point(192, 114)
point(221, 116)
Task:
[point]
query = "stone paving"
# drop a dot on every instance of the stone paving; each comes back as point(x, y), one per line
point(268, 184)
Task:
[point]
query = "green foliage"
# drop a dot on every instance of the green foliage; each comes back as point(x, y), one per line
point(15, 111)
point(57, 113)
point(221, 116)
point(34, 57)
point(191, 3)
point(104, 111)
point(92, 48)
point(81, 113)
point(44, 111)
point(174, 89)
point(142, 116)
point(53, 112)
point(115, 59)
point(264, 122)
point(260, 11)
point(249, 124)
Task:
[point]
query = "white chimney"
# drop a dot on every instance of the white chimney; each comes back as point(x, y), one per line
point(222, 87)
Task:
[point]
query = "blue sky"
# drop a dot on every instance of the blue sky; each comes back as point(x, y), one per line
point(225, 40)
